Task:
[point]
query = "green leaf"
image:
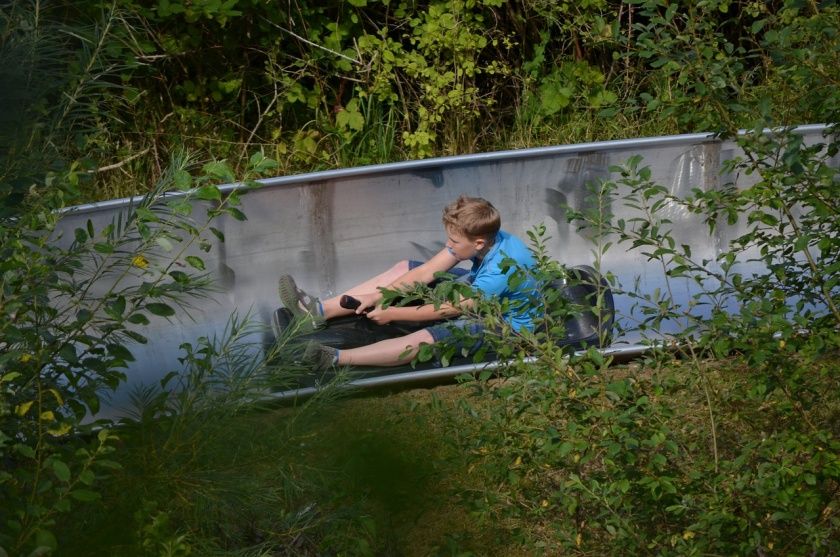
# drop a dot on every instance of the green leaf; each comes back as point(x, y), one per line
point(220, 170)
point(62, 472)
point(146, 215)
point(180, 206)
point(565, 448)
point(92, 403)
point(256, 158)
point(163, 310)
point(84, 495)
point(236, 213)
point(265, 165)
point(209, 193)
point(138, 319)
point(553, 98)
point(618, 387)
point(68, 352)
point(11, 376)
point(60, 430)
point(758, 25)
point(109, 464)
point(44, 539)
point(87, 477)
point(164, 242)
point(218, 234)
point(136, 337)
point(24, 450)
point(180, 276)
point(425, 353)
point(182, 180)
point(195, 262)
point(117, 307)
point(801, 243)
point(120, 352)
point(350, 119)
point(84, 315)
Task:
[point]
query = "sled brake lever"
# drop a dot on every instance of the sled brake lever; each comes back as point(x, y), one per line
point(349, 302)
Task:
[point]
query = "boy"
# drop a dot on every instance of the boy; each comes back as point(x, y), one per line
point(473, 232)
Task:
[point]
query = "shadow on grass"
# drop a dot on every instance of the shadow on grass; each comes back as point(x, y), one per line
point(393, 477)
point(368, 475)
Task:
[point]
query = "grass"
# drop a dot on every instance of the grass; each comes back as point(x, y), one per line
point(366, 474)
point(393, 464)
point(423, 472)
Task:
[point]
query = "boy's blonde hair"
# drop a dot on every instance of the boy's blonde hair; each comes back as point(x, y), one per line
point(472, 217)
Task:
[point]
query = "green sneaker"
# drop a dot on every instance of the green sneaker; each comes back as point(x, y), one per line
point(320, 357)
point(298, 302)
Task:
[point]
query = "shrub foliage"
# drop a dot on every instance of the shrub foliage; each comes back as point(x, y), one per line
point(71, 309)
point(726, 441)
point(364, 81)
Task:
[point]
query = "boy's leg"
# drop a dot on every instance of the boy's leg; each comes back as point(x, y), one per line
point(333, 309)
point(395, 351)
point(390, 352)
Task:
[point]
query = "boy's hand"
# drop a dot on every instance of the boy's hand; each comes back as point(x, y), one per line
point(367, 301)
point(381, 316)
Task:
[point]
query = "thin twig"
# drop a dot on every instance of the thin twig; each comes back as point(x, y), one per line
point(629, 40)
point(815, 270)
point(121, 163)
point(263, 114)
point(316, 45)
point(704, 381)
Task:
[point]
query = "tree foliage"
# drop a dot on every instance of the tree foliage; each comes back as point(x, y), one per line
point(362, 81)
point(71, 310)
point(726, 441)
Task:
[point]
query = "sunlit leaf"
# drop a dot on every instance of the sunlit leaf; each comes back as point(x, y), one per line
point(195, 262)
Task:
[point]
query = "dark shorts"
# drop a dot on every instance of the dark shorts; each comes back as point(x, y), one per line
point(443, 331)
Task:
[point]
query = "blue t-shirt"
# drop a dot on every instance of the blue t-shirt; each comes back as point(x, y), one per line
point(487, 277)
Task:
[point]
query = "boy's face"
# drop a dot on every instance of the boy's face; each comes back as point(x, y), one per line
point(462, 247)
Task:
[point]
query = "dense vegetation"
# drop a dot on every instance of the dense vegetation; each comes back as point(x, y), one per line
point(730, 449)
point(116, 88)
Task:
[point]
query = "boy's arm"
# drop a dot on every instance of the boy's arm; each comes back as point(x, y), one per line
point(425, 273)
point(426, 312)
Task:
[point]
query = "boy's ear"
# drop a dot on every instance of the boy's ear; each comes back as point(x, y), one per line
point(479, 244)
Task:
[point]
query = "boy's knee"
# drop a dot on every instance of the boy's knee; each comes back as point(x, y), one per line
point(423, 336)
point(426, 336)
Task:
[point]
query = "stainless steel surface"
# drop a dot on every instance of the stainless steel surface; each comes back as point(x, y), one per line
point(333, 229)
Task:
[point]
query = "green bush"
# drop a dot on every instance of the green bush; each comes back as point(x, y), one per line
point(72, 308)
point(734, 455)
point(319, 86)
